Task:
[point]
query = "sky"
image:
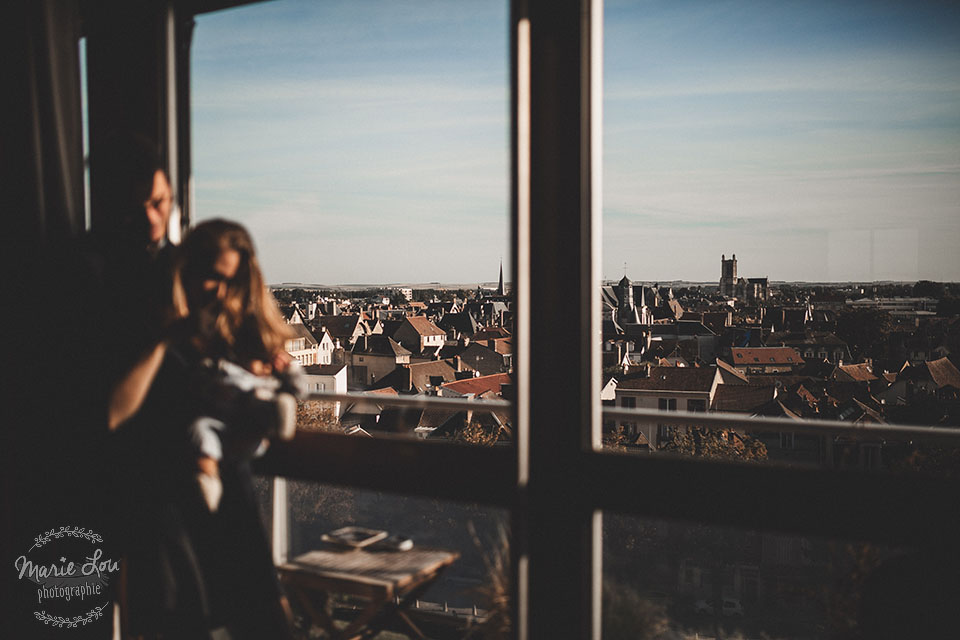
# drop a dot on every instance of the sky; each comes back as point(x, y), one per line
point(368, 141)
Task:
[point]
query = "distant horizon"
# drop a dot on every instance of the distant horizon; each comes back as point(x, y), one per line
point(604, 282)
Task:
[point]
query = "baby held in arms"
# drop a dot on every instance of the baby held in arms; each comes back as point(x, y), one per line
point(244, 408)
point(244, 386)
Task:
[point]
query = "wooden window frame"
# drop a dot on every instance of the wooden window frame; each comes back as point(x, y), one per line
point(555, 481)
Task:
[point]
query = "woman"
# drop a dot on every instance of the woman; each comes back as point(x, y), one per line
point(192, 568)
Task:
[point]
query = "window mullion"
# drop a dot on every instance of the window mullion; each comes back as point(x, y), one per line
point(562, 532)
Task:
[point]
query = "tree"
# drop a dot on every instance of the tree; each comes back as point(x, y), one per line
point(477, 433)
point(627, 615)
point(865, 331)
point(928, 289)
point(717, 444)
point(314, 415)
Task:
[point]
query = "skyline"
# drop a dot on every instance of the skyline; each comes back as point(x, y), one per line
point(819, 143)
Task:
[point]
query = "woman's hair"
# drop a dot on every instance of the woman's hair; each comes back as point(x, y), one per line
point(248, 324)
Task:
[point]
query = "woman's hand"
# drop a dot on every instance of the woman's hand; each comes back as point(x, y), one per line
point(281, 361)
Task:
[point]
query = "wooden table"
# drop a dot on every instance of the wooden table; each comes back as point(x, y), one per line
point(390, 581)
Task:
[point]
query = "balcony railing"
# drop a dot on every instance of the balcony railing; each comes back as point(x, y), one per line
point(740, 421)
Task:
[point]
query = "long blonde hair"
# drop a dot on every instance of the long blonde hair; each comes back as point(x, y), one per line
point(249, 323)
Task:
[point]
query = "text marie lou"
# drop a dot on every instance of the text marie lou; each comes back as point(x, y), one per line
point(94, 565)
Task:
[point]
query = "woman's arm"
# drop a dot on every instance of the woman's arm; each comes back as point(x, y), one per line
point(129, 392)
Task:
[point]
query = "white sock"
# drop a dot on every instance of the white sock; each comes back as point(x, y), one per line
point(212, 490)
point(286, 416)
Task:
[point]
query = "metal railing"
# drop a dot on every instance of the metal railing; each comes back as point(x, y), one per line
point(739, 421)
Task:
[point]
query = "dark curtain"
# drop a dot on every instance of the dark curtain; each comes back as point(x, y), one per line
point(41, 208)
point(42, 143)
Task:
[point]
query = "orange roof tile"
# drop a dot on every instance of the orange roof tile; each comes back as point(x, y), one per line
point(765, 356)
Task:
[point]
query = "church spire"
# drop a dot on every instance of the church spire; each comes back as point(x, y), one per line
point(500, 286)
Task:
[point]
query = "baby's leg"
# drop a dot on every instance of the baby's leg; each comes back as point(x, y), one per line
point(204, 434)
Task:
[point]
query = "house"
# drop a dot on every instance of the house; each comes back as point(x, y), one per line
point(729, 374)
point(939, 379)
point(292, 314)
point(667, 389)
point(325, 348)
point(489, 357)
point(765, 360)
point(304, 348)
point(822, 345)
point(458, 326)
point(716, 321)
point(787, 318)
point(373, 357)
point(424, 377)
point(344, 329)
point(327, 378)
point(420, 336)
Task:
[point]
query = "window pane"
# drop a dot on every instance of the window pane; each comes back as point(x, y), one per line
point(469, 596)
point(664, 579)
point(758, 161)
point(366, 148)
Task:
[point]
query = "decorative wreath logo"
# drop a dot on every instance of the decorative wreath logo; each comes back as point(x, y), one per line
point(60, 621)
point(72, 532)
point(83, 579)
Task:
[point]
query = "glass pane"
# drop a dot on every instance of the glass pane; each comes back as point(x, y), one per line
point(674, 580)
point(366, 148)
point(469, 598)
point(781, 186)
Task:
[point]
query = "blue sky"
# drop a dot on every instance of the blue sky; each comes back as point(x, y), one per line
point(368, 141)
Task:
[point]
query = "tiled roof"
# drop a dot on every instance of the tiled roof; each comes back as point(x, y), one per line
point(765, 356)
point(390, 326)
point(423, 326)
point(300, 331)
point(784, 381)
point(944, 373)
point(462, 322)
point(477, 386)
point(323, 369)
point(340, 326)
point(387, 391)
point(379, 345)
point(741, 398)
point(488, 333)
point(729, 372)
point(503, 346)
point(416, 376)
point(855, 372)
point(670, 379)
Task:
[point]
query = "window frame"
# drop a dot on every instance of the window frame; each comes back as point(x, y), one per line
point(556, 481)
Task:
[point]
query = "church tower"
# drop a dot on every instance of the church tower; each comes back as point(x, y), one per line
point(500, 286)
point(626, 311)
point(728, 275)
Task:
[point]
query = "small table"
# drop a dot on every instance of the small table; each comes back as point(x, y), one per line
point(390, 581)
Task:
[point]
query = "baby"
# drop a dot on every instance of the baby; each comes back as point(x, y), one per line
point(242, 409)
